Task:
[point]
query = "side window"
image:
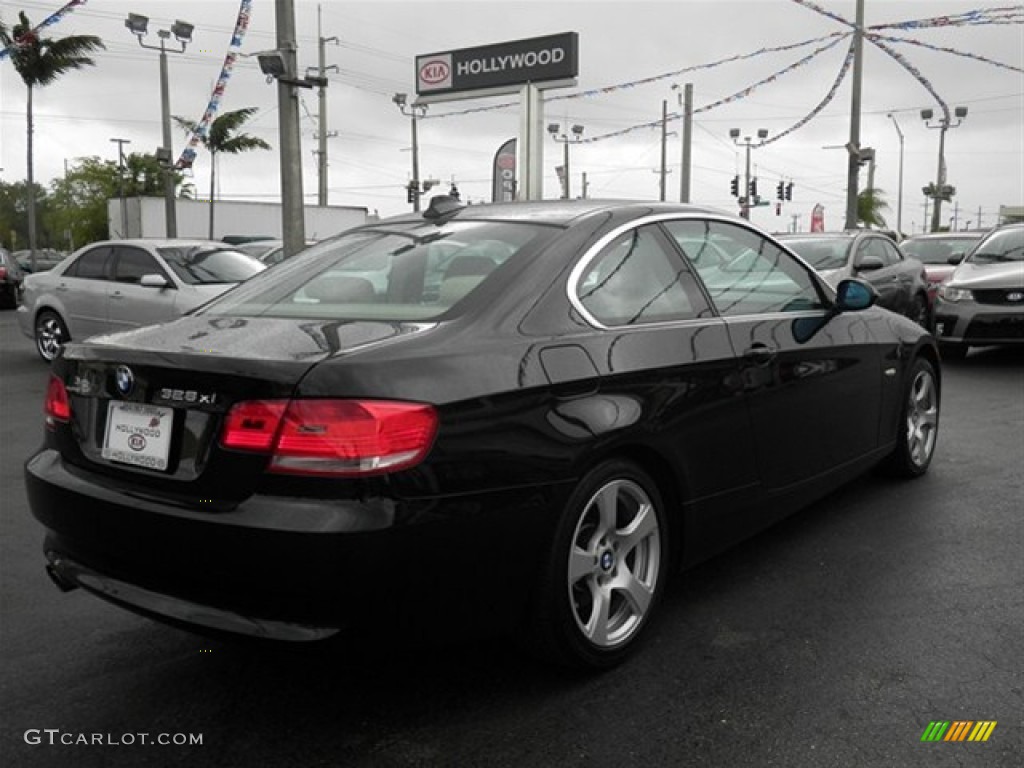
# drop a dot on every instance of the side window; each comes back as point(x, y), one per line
point(754, 276)
point(133, 263)
point(892, 253)
point(91, 265)
point(635, 280)
point(875, 248)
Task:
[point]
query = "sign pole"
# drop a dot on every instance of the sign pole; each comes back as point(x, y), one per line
point(531, 143)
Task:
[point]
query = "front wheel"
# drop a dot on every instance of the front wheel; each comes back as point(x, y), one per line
point(605, 571)
point(51, 334)
point(919, 423)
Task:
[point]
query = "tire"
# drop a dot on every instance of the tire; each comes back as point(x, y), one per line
point(953, 351)
point(919, 423)
point(920, 313)
point(605, 572)
point(50, 334)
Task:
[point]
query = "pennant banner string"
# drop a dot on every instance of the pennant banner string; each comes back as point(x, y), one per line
point(50, 20)
point(952, 51)
point(847, 62)
point(728, 99)
point(188, 156)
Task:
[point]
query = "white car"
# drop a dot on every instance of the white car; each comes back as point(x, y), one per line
point(117, 285)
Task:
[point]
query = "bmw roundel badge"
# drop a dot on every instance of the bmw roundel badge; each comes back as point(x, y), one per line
point(124, 379)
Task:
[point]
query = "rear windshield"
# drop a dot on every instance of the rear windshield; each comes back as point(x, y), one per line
point(203, 264)
point(410, 274)
point(821, 253)
point(938, 250)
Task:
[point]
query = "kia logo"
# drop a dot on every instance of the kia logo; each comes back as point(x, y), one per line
point(1015, 296)
point(434, 72)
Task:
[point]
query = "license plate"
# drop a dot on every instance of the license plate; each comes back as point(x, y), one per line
point(138, 434)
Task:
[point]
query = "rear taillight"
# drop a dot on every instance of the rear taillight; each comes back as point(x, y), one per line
point(332, 437)
point(57, 406)
point(3, 273)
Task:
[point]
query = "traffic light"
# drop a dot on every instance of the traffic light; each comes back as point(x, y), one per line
point(410, 192)
point(789, 191)
point(753, 187)
point(778, 209)
point(734, 186)
point(780, 190)
point(454, 191)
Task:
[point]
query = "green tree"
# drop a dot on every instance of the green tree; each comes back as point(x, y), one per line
point(78, 200)
point(870, 205)
point(41, 61)
point(223, 138)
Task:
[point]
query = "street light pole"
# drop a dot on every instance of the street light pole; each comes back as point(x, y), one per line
point(182, 31)
point(734, 134)
point(120, 183)
point(940, 191)
point(413, 111)
point(565, 139)
point(899, 193)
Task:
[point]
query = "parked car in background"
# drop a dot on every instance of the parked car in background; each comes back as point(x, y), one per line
point(119, 284)
point(900, 281)
point(982, 302)
point(270, 252)
point(519, 417)
point(46, 259)
point(940, 252)
point(11, 279)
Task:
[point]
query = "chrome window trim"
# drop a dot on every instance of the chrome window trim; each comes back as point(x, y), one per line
point(592, 252)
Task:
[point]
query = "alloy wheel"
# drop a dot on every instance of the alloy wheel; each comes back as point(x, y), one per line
point(614, 563)
point(922, 417)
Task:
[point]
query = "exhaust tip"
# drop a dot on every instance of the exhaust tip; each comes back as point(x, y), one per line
point(64, 584)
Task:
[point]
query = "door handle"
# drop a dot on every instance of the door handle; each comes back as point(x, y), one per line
point(760, 354)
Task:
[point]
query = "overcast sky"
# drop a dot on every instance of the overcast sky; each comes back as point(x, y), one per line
point(620, 43)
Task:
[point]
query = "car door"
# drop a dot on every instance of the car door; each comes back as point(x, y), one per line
point(879, 265)
point(664, 353)
point(131, 304)
point(811, 380)
point(81, 292)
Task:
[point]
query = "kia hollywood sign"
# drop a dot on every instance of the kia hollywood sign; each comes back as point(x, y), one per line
point(511, 64)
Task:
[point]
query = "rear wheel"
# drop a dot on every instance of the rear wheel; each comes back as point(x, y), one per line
point(919, 423)
point(51, 334)
point(605, 571)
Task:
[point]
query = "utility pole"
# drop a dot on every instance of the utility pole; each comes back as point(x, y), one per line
point(899, 196)
point(293, 225)
point(749, 195)
point(853, 147)
point(322, 133)
point(664, 153)
point(687, 132)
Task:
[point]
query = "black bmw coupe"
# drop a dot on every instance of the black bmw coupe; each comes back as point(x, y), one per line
point(517, 416)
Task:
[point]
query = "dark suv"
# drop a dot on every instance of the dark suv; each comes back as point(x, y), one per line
point(12, 279)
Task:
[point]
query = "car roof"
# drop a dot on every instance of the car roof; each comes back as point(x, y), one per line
point(558, 212)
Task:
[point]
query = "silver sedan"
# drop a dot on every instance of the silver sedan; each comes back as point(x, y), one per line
point(121, 284)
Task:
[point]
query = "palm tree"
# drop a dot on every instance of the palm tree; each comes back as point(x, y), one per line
point(870, 206)
point(222, 137)
point(40, 61)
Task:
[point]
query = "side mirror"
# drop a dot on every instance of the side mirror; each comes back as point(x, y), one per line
point(154, 281)
point(853, 295)
point(869, 264)
point(955, 259)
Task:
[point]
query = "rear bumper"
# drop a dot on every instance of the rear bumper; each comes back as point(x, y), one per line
point(296, 568)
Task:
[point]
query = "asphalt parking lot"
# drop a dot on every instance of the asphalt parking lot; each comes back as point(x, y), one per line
point(833, 639)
